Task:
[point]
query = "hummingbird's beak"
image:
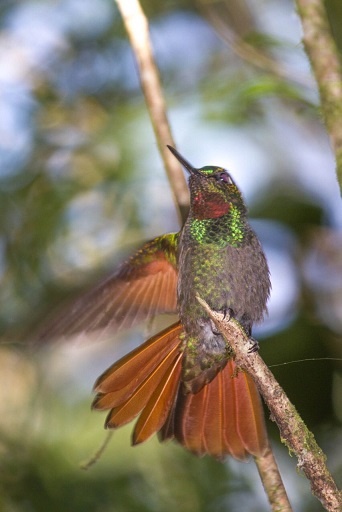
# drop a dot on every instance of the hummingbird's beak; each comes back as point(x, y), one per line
point(182, 160)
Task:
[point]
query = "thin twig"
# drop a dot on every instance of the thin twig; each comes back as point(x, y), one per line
point(324, 57)
point(252, 55)
point(293, 431)
point(272, 482)
point(137, 28)
point(98, 453)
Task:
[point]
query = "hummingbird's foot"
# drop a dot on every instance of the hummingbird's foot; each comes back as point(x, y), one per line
point(254, 347)
point(227, 313)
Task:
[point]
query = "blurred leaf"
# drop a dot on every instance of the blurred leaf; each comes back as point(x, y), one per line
point(244, 98)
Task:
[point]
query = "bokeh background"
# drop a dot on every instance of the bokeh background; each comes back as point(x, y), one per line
point(81, 184)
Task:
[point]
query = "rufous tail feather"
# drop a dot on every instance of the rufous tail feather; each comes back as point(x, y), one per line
point(224, 418)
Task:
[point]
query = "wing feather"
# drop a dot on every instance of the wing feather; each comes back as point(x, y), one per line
point(144, 286)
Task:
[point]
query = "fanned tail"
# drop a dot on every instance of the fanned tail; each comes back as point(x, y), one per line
point(224, 418)
point(145, 381)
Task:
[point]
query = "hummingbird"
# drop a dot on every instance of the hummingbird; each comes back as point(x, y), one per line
point(183, 383)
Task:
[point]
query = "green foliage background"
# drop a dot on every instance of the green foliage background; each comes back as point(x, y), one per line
point(81, 183)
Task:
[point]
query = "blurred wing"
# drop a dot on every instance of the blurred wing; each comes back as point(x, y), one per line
point(144, 286)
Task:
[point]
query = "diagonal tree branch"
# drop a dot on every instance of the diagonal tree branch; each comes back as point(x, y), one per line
point(137, 28)
point(293, 431)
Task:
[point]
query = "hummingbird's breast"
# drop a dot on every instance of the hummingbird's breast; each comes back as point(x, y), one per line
point(227, 278)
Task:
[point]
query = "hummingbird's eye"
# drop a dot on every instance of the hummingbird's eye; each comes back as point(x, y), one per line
point(224, 177)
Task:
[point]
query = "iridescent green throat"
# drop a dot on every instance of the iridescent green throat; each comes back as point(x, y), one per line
point(226, 230)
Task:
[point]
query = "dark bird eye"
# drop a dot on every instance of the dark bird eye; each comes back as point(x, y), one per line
point(224, 177)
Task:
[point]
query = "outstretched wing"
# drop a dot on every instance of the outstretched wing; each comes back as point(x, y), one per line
point(145, 285)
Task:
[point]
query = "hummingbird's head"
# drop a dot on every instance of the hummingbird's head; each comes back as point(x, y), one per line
point(212, 189)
